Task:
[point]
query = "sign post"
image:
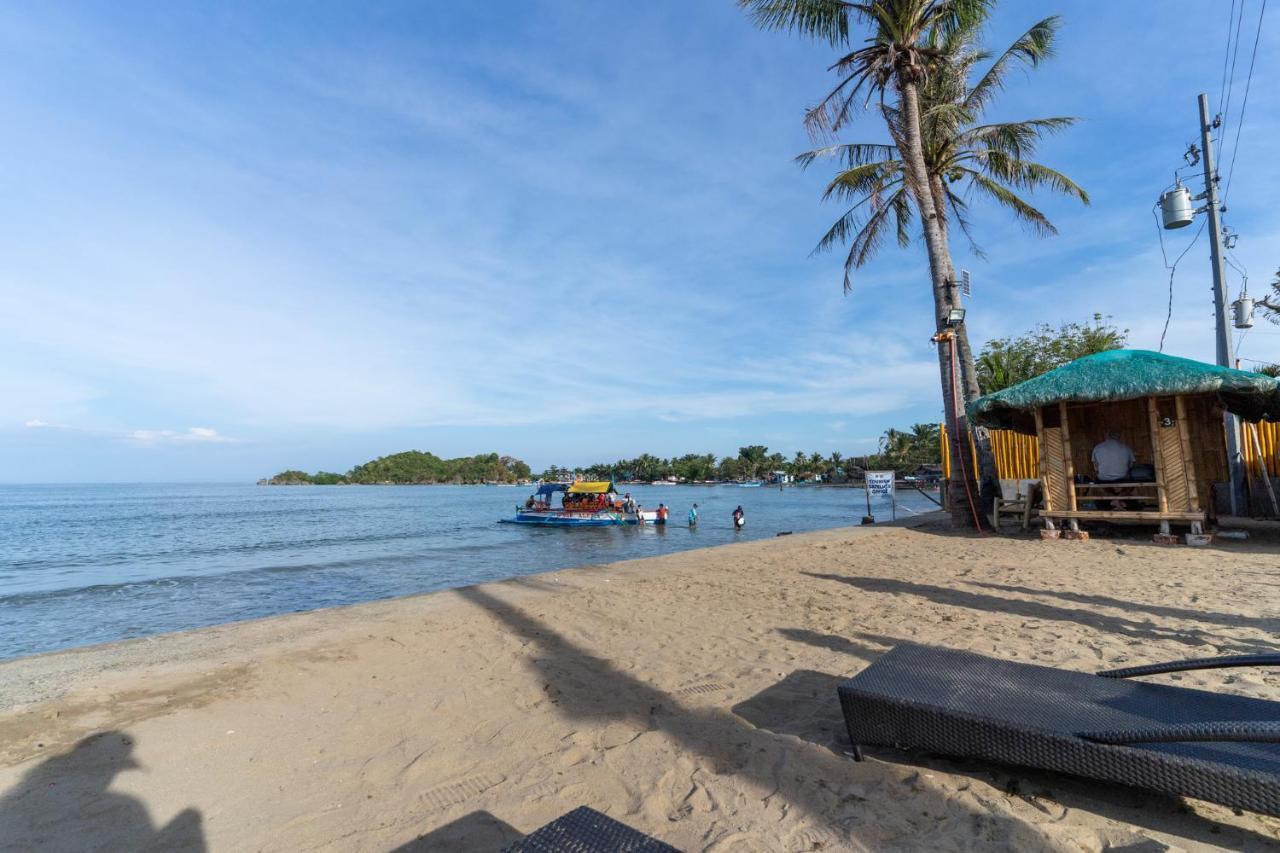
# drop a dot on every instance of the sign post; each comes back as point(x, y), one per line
point(882, 484)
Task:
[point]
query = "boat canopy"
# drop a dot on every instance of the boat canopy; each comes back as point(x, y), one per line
point(551, 488)
point(597, 487)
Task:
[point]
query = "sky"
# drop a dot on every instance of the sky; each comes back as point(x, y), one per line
point(242, 237)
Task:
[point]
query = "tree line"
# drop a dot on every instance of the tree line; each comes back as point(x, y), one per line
point(414, 467)
point(903, 451)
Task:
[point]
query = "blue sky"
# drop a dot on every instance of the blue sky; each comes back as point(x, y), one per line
point(243, 237)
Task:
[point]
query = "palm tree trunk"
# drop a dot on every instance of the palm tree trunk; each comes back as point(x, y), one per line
point(988, 475)
point(961, 485)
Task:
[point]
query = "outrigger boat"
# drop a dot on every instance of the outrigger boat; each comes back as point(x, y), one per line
point(585, 504)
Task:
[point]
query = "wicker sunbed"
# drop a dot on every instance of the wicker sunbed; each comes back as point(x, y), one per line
point(1213, 746)
point(585, 830)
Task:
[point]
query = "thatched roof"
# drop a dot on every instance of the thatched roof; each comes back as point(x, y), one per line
point(1127, 375)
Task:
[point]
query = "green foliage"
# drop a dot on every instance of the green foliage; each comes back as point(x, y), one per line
point(290, 478)
point(965, 157)
point(1272, 370)
point(905, 451)
point(1007, 361)
point(414, 467)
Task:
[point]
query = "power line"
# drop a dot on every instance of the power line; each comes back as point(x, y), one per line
point(1226, 55)
point(1173, 270)
point(1234, 51)
point(1244, 103)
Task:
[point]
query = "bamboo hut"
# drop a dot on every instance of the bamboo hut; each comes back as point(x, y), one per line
point(1168, 410)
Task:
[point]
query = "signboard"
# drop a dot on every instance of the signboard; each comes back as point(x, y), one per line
point(881, 485)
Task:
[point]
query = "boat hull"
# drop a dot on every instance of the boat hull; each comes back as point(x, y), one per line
point(562, 518)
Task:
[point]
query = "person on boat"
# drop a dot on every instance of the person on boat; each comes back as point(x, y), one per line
point(693, 516)
point(739, 518)
point(529, 504)
point(628, 505)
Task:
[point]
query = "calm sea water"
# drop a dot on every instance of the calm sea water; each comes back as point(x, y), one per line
point(94, 563)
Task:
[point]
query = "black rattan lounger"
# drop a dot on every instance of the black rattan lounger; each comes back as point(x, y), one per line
point(585, 830)
point(1176, 740)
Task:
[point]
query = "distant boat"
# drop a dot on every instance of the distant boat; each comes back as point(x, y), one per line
point(752, 484)
point(585, 504)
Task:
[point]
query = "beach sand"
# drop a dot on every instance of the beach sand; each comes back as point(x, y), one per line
point(691, 696)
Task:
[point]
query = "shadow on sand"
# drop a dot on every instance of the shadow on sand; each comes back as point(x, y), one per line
point(768, 742)
point(1230, 620)
point(476, 831)
point(1007, 605)
point(64, 803)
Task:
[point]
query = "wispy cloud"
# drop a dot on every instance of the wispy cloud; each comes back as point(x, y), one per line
point(166, 436)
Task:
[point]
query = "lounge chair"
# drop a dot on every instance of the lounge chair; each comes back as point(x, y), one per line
point(1179, 741)
point(585, 830)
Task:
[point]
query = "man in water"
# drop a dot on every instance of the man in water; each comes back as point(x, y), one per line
point(739, 518)
point(693, 516)
point(662, 513)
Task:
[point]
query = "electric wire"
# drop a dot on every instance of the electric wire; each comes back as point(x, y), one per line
point(1233, 48)
point(1244, 103)
point(1226, 56)
point(1173, 269)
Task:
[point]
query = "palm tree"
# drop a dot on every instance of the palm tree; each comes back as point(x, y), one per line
point(925, 50)
point(836, 458)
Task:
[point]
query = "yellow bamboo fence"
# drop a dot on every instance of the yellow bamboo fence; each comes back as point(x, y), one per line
point(1269, 440)
point(1017, 457)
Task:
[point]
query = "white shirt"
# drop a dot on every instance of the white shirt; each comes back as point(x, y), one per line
point(1112, 460)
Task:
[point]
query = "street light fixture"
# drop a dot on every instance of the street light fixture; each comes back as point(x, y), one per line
point(955, 317)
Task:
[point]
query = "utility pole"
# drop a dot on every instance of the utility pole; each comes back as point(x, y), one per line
point(1226, 358)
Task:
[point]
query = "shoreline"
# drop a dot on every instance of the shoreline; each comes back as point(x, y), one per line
point(690, 695)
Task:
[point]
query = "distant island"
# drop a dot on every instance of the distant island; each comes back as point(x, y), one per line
point(413, 467)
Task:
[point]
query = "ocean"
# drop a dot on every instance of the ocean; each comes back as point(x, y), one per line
point(85, 564)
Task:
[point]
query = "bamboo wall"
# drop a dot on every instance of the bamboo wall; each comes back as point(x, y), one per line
point(1016, 454)
point(1269, 438)
point(1017, 458)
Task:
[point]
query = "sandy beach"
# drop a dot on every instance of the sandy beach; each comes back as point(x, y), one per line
point(691, 696)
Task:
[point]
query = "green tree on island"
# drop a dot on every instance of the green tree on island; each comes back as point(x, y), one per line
point(924, 52)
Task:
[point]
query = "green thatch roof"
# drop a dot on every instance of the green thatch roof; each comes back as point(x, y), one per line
point(1125, 374)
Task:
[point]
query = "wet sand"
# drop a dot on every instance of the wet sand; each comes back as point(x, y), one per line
point(691, 696)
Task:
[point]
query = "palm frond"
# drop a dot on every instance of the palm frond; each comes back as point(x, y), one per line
point(1030, 176)
point(865, 180)
point(827, 20)
point(1030, 49)
point(852, 154)
point(1007, 198)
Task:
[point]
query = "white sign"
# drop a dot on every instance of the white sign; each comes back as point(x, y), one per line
point(881, 485)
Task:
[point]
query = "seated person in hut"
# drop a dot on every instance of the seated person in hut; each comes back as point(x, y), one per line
point(1112, 461)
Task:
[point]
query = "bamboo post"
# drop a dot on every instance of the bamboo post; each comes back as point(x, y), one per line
point(1188, 463)
point(1154, 417)
point(1067, 458)
point(1044, 471)
point(1262, 464)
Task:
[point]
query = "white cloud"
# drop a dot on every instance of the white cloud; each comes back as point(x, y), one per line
point(168, 436)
